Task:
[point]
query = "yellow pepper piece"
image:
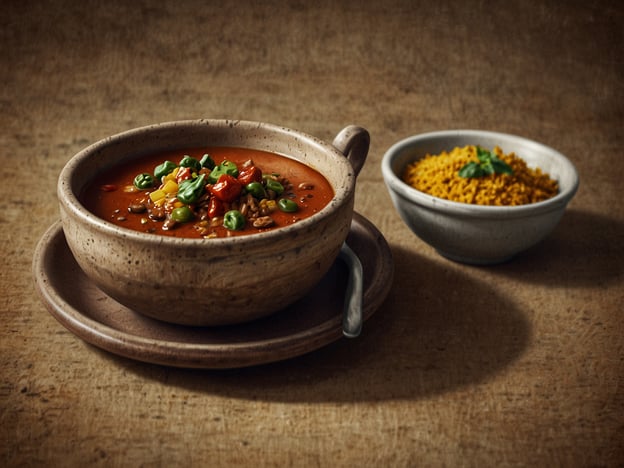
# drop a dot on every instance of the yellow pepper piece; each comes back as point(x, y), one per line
point(172, 175)
point(158, 195)
point(170, 187)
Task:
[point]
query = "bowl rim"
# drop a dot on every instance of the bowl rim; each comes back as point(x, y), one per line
point(71, 203)
point(398, 187)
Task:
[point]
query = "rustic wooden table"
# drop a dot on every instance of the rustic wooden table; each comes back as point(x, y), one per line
point(512, 365)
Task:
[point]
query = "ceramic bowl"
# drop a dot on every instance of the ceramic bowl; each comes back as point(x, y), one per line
point(211, 281)
point(472, 233)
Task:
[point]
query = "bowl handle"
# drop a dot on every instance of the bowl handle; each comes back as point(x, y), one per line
point(353, 142)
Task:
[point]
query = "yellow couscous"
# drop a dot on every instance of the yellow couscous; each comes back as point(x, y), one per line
point(438, 175)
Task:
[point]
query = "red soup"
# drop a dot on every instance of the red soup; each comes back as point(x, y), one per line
point(208, 192)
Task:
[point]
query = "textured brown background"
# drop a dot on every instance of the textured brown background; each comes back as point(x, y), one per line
point(513, 365)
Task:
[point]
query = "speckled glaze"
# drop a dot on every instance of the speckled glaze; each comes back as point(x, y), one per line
point(471, 233)
point(215, 281)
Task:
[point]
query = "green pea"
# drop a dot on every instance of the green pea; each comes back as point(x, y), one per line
point(287, 205)
point(189, 161)
point(256, 189)
point(182, 214)
point(207, 162)
point(272, 184)
point(190, 190)
point(144, 181)
point(226, 167)
point(234, 220)
point(163, 169)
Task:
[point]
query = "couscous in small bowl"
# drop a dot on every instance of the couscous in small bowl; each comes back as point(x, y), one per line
point(472, 233)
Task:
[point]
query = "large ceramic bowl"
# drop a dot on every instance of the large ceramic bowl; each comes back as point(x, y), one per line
point(472, 233)
point(211, 281)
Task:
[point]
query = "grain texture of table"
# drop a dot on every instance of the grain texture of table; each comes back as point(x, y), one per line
point(519, 364)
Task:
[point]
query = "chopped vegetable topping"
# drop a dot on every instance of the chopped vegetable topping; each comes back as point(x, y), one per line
point(164, 169)
point(209, 193)
point(226, 167)
point(207, 161)
point(189, 161)
point(234, 220)
point(287, 205)
point(144, 181)
point(190, 190)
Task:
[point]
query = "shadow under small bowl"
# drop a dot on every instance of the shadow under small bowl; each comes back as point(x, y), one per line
point(211, 281)
point(477, 234)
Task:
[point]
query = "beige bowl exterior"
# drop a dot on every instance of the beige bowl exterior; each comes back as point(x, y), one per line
point(211, 281)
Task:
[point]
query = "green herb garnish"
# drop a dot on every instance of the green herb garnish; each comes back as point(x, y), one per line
point(488, 164)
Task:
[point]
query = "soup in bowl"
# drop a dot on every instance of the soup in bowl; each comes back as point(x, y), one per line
point(203, 270)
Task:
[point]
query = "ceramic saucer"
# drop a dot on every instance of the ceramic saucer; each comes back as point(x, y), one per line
point(307, 325)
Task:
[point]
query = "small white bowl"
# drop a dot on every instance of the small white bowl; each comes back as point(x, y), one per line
point(477, 234)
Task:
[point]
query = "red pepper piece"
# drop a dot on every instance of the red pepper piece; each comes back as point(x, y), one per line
point(227, 188)
point(215, 207)
point(184, 173)
point(249, 174)
point(108, 188)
